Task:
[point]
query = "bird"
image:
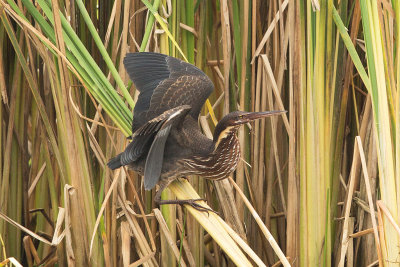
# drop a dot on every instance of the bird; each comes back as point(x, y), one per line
point(167, 142)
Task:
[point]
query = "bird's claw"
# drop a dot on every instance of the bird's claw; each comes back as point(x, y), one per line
point(197, 206)
point(190, 202)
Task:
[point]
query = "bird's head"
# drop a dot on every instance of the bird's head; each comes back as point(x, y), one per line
point(233, 120)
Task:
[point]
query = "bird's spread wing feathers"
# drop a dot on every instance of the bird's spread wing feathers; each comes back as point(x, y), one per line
point(151, 137)
point(144, 136)
point(154, 160)
point(169, 90)
point(135, 149)
point(164, 83)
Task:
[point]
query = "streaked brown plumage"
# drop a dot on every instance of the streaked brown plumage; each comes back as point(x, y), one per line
point(167, 142)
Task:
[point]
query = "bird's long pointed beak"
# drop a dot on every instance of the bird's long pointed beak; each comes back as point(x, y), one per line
point(259, 115)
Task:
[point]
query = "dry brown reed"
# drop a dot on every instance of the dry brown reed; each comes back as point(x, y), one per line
point(318, 186)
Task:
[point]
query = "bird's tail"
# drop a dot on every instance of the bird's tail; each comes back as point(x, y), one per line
point(115, 162)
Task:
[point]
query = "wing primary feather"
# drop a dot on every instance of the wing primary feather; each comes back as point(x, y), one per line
point(115, 162)
point(155, 157)
point(154, 161)
point(135, 149)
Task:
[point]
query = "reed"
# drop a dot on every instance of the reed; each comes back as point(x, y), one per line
point(319, 185)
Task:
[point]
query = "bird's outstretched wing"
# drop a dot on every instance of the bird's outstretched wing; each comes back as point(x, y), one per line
point(145, 137)
point(169, 90)
point(164, 83)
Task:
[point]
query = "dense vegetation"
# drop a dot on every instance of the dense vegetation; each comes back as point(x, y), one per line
point(313, 177)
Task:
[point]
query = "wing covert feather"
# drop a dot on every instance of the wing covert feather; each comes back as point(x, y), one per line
point(165, 82)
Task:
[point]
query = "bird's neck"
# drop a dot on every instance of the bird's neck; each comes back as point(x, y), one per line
point(226, 153)
point(221, 160)
point(224, 157)
point(223, 138)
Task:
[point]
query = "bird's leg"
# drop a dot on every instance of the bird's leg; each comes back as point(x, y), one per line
point(190, 202)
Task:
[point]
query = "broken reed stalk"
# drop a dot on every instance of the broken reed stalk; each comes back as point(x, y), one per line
point(381, 205)
point(349, 198)
point(370, 201)
point(166, 232)
point(262, 226)
point(103, 206)
point(362, 233)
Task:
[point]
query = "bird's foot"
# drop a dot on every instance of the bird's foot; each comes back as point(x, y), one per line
point(197, 206)
point(190, 202)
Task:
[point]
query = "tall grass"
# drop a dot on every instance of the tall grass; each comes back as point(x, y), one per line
point(319, 184)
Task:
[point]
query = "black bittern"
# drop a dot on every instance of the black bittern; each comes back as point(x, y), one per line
point(167, 142)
